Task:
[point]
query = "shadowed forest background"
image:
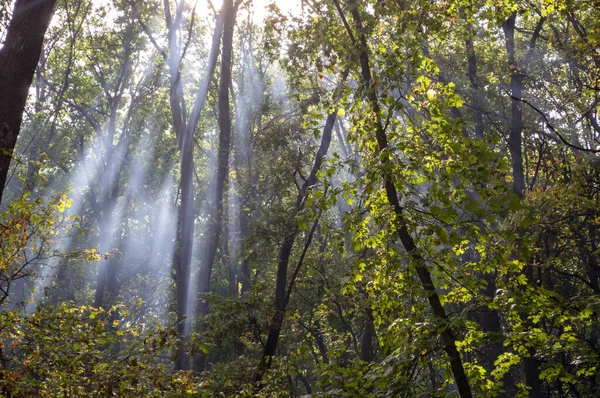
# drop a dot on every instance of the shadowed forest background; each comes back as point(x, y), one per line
point(328, 198)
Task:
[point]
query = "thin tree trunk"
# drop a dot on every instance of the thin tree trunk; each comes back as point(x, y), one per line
point(531, 367)
point(244, 267)
point(280, 305)
point(218, 186)
point(516, 124)
point(367, 351)
point(182, 255)
point(474, 82)
point(184, 129)
point(408, 242)
point(282, 295)
point(18, 59)
point(489, 320)
point(282, 290)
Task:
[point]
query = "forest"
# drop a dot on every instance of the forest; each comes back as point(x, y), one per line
point(300, 198)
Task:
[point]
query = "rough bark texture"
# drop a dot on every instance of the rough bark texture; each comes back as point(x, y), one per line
point(18, 59)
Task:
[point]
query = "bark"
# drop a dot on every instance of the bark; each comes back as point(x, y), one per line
point(516, 124)
point(408, 242)
point(531, 367)
point(280, 305)
point(282, 288)
point(109, 193)
point(341, 140)
point(107, 284)
point(218, 186)
point(244, 268)
point(594, 279)
point(105, 233)
point(320, 340)
point(243, 166)
point(182, 255)
point(107, 267)
point(38, 146)
point(367, 352)
point(489, 320)
point(18, 59)
point(283, 291)
point(184, 127)
point(474, 83)
point(592, 263)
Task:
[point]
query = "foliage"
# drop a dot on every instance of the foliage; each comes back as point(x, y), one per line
point(455, 105)
point(83, 351)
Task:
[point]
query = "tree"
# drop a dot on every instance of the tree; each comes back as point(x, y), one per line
point(19, 57)
point(222, 172)
point(184, 126)
point(389, 199)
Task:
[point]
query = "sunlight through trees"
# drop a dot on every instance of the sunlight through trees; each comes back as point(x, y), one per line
point(316, 198)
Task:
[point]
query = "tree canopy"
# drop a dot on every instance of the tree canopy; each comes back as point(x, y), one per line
point(327, 198)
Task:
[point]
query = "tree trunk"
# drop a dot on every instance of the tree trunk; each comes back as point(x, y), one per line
point(244, 267)
point(474, 82)
point(218, 186)
point(515, 138)
point(409, 244)
point(182, 255)
point(280, 305)
point(18, 59)
point(282, 290)
point(184, 129)
point(367, 351)
point(516, 124)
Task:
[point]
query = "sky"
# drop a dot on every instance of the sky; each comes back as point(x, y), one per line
point(260, 7)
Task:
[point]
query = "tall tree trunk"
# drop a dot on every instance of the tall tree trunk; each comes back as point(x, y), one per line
point(474, 82)
point(282, 289)
point(107, 267)
point(367, 350)
point(18, 59)
point(182, 255)
point(407, 240)
point(184, 129)
point(516, 124)
point(218, 186)
point(244, 267)
point(531, 367)
point(104, 209)
point(106, 238)
point(489, 320)
point(244, 125)
point(280, 303)
point(282, 294)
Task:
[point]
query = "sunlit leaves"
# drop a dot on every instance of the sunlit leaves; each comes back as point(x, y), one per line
point(81, 356)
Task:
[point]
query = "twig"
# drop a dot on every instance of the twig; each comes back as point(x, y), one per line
point(551, 127)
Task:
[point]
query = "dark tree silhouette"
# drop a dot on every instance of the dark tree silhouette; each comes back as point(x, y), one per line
point(18, 59)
